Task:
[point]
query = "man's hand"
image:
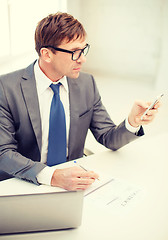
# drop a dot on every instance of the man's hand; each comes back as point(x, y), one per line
point(73, 178)
point(137, 111)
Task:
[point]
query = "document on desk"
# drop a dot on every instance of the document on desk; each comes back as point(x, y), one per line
point(113, 194)
point(110, 193)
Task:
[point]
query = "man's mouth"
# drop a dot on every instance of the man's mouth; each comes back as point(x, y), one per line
point(77, 69)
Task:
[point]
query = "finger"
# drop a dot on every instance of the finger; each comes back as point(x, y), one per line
point(88, 174)
point(81, 181)
point(85, 181)
point(142, 104)
point(81, 184)
point(151, 112)
point(146, 119)
point(157, 105)
point(77, 183)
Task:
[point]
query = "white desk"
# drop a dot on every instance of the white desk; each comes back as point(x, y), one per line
point(145, 163)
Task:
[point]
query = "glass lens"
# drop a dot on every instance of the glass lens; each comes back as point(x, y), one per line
point(76, 55)
point(85, 51)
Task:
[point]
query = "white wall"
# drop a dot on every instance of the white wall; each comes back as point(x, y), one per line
point(128, 37)
point(125, 36)
point(162, 78)
point(18, 20)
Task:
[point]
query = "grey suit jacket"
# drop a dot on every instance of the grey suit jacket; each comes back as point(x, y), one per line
point(20, 124)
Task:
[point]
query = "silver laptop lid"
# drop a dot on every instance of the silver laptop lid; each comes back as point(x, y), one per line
point(39, 212)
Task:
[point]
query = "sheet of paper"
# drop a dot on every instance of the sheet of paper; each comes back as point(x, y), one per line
point(98, 184)
point(114, 195)
point(107, 193)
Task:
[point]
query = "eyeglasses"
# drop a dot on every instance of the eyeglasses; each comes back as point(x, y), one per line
point(75, 54)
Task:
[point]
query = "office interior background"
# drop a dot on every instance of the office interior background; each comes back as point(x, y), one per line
point(128, 55)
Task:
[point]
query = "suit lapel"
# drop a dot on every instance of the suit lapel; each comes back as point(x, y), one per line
point(74, 95)
point(29, 89)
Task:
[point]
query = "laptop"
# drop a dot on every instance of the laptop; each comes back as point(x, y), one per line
point(40, 211)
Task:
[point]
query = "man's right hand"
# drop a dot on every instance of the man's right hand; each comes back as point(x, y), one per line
point(73, 178)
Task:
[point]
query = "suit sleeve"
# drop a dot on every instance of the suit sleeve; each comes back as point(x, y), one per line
point(11, 161)
point(105, 130)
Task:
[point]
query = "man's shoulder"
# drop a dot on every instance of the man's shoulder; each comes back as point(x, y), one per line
point(15, 75)
point(85, 79)
point(12, 74)
point(84, 76)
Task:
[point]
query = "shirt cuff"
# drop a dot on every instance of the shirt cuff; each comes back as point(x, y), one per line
point(131, 128)
point(45, 175)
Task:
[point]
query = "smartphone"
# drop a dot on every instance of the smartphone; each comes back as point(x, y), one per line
point(152, 105)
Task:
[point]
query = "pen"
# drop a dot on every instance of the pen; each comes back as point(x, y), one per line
point(83, 168)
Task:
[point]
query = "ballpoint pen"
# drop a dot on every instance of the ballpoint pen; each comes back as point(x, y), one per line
point(83, 168)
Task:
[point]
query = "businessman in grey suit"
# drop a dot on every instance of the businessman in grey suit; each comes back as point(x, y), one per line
point(25, 100)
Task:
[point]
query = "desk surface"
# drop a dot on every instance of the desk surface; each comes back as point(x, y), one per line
point(144, 163)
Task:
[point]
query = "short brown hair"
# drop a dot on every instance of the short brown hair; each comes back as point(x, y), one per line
point(54, 28)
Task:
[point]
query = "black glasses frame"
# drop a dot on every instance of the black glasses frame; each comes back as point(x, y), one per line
point(71, 52)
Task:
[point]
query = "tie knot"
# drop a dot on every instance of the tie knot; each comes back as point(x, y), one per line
point(55, 88)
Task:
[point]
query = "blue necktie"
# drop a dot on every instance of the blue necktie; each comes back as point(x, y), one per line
point(57, 130)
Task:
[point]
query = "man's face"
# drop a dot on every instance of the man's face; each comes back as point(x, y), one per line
point(62, 63)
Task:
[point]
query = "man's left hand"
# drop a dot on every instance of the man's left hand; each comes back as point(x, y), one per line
point(137, 111)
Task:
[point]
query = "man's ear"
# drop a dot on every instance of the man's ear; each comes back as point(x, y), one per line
point(45, 54)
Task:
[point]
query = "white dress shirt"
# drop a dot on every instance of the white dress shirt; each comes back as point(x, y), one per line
point(45, 95)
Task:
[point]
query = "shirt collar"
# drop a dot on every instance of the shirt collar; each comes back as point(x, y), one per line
point(43, 82)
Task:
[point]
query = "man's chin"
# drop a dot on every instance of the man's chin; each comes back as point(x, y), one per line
point(74, 75)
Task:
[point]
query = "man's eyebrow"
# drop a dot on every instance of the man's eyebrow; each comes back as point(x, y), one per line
point(77, 48)
point(73, 49)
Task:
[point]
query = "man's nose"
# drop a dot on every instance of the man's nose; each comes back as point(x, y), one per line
point(82, 59)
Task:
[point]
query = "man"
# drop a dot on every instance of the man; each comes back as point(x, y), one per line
point(26, 99)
